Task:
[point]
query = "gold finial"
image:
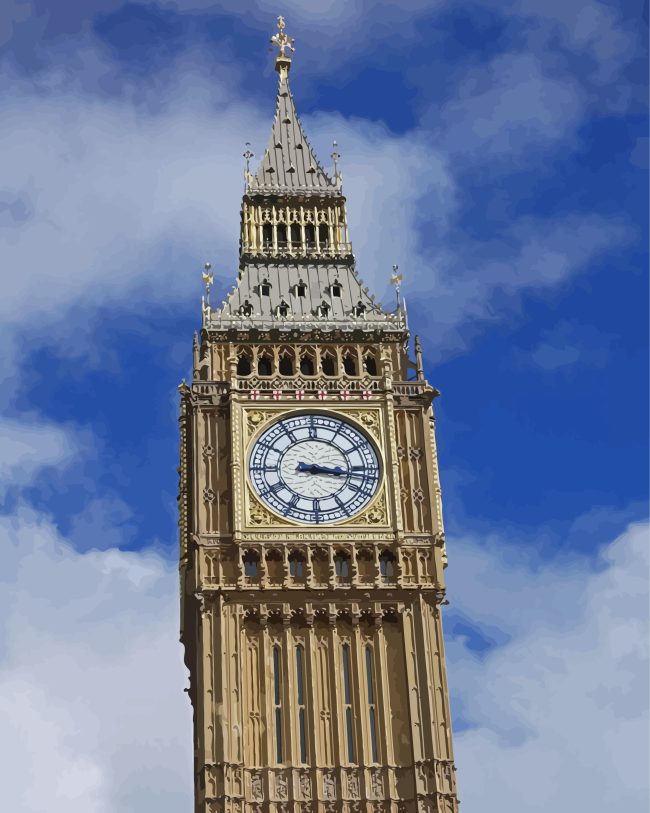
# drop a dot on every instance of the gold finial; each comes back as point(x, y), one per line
point(396, 280)
point(208, 279)
point(282, 41)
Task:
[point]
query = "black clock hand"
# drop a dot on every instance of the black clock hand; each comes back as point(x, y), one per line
point(314, 468)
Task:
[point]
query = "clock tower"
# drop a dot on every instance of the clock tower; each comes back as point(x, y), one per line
point(312, 551)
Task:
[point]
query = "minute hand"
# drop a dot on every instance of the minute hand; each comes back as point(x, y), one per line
point(314, 468)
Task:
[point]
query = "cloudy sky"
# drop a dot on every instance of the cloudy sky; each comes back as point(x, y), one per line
point(497, 151)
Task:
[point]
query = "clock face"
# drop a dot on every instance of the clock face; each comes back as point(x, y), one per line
point(314, 468)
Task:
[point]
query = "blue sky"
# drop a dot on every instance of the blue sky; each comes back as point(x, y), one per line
point(498, 153)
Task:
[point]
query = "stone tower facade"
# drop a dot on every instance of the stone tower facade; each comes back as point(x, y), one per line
point(311, 537)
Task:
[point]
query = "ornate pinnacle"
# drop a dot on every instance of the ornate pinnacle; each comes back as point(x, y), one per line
point(396, 280)
point(335, 156)
point(282, 41)
point(248, 154)
point(208, 279)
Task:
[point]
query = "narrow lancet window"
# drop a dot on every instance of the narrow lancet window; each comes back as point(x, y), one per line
point(347, 702)
point(277, 704)
point(300, 685)
point(371, 706)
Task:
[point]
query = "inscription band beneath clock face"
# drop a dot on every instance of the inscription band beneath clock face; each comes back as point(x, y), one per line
point(314, 468)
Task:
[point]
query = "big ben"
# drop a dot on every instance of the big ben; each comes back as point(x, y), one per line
point(312, 549)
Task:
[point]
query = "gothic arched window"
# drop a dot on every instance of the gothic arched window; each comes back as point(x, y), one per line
point(328, 363)
point(297, 566)
point(267, 235)
point(296, 239)
point(243, 364)
point(349, 363)
point(307, 364)
point(387, 567)
point(285, 366)
point(300, 691)
point(323, 235)
point(274, 568)
point(251, 562)
point(264, 365)
point(281, 233)
point(342, 568)
point(277, 701)
point(347, 701)
point(310, 235)
point(369, 363)
point(371, 705)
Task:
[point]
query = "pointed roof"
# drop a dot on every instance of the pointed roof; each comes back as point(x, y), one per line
point(289, 164)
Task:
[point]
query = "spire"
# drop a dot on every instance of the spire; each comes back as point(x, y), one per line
point(289, 163)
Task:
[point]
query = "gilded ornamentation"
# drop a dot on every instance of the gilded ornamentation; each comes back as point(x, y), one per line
point(375, 515)
point(259, 516)
point(370, 420)
point(254, 419)
point(209, 495)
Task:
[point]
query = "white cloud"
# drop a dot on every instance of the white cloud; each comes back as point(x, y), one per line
point(507, 107)
point(558, 714)
point(26, 446)
point(91, 678)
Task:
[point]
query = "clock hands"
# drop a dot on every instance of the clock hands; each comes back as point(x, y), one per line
point(315, 468)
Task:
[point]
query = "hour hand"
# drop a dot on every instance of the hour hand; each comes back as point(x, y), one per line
point(314, 468)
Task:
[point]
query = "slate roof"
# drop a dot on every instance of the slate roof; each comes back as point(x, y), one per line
point(289, 164)
point(319, 280)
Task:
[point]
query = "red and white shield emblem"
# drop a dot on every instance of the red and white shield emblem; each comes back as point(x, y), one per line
point(277, 394)
point(321, 395)
point(300, 394)
point(344, 395)
point(254, 395)
point(365, 394)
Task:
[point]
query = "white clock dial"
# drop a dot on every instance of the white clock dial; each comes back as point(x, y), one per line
point(314, 468)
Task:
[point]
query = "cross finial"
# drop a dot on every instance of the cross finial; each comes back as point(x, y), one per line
point(282, 41)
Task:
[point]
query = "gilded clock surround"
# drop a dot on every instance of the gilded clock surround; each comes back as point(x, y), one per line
point(368, 421)
point(315, 653)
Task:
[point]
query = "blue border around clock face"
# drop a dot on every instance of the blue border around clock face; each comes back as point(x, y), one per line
point(314, 468)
